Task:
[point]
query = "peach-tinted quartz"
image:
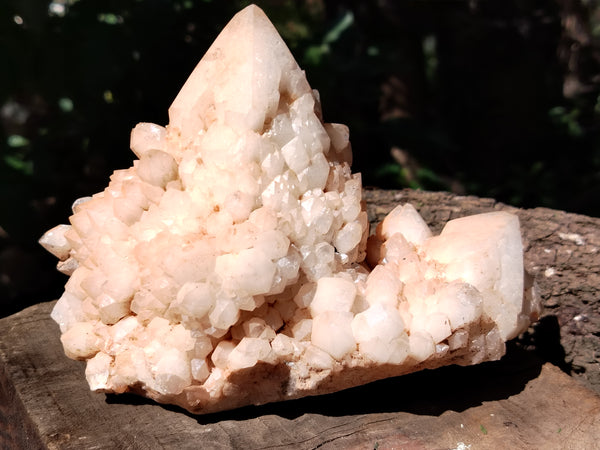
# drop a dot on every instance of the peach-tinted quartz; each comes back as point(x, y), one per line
point(227, 266)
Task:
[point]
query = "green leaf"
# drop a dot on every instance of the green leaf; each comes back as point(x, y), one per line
point(65, 104)
point(110, 18)
point(373, 50)
point(568, 119)
point(431, 56)
point(108, 96)
point(19, 164)
point(314, 54)
point(16, 141)
point(343, 24)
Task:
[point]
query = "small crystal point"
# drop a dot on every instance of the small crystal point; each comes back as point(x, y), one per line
point(226, 266)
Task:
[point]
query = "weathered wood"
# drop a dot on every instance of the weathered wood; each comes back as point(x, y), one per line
point(518, 402)
point(513, 403)
point(562, 252)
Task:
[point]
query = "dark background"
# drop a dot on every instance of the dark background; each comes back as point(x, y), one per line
point(494, 98)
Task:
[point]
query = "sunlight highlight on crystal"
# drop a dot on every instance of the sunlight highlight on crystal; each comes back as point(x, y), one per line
point(231, 264)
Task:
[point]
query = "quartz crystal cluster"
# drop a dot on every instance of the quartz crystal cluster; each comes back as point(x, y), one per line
point(228, 266)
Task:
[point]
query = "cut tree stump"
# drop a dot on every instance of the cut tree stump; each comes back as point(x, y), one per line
point(562, 253)
point(519, 402)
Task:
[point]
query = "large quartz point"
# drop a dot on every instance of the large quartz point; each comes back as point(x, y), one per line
point(227, 266)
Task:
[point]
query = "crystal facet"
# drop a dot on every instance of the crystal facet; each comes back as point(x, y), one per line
point(227, 266)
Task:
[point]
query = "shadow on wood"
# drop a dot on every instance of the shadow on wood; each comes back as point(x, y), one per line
point(519, 402)
point(429, 392)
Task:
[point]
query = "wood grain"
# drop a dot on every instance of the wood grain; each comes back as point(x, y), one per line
point(562, 253)
point(518, 402)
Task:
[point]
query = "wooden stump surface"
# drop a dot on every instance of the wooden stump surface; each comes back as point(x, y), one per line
point(562, 252)
point(520, 402)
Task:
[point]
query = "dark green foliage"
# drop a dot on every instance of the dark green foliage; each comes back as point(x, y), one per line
point(494, 98)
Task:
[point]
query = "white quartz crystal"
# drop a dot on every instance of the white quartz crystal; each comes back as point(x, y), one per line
point(227, 266)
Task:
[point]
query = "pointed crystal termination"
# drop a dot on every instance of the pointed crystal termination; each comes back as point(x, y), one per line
point(242, 80)
point(227, 266)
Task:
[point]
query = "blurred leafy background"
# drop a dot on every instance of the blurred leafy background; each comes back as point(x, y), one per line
point(496, 98)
